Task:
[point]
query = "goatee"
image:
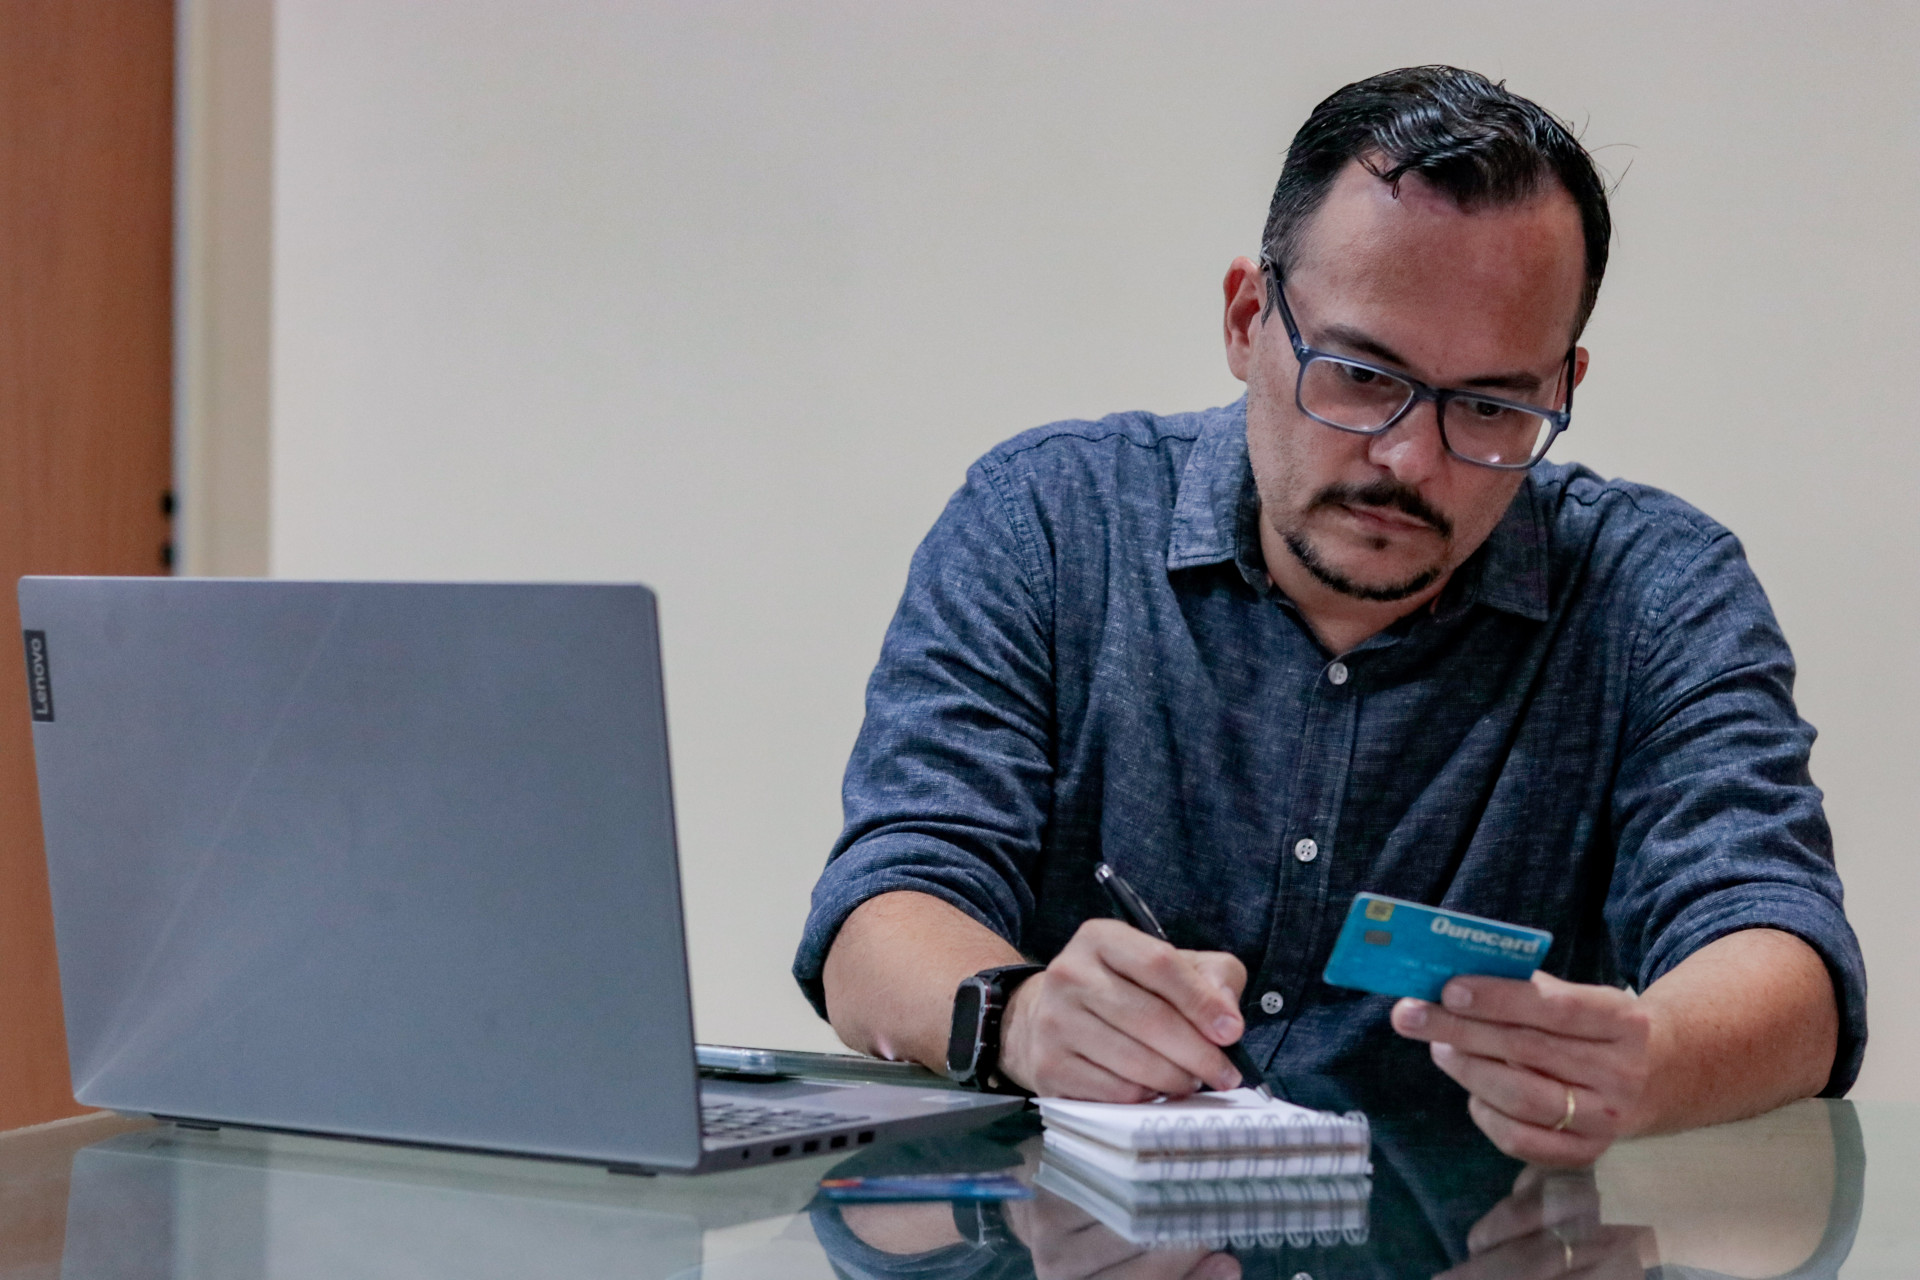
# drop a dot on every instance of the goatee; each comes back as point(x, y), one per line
point(1381, 493)
point(1327, 575)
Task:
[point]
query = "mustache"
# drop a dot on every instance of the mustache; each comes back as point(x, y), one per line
point(1384, 493)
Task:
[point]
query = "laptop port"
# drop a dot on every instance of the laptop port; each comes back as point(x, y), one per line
point(784, 1149)
point(866, 1136)
point(838, 1141)
point(810, 1146)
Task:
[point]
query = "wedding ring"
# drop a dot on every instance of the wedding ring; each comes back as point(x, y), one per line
point(1566, 1121)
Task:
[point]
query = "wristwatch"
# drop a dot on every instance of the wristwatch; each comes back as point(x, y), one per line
point(973, 1050)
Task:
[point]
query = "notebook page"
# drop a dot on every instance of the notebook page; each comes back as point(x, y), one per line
point(1236, 1117)
point(1214, 1165)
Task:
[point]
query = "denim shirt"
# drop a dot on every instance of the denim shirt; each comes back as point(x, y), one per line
point(1592, 731)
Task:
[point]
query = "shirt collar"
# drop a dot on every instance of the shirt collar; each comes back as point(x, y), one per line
point(1216, 492)
point(1509, 571)
point(1216, 511)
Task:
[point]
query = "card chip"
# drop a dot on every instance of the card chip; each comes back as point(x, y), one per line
point(1378, 937)
point(1378, 910)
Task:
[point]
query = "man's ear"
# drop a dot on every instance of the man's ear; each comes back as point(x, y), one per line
point(1579, 365)
point(1246, 291)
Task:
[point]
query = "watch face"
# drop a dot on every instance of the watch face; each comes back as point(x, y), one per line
point(969, 1002)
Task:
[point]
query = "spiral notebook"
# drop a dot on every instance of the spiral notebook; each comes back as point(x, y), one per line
point(1233, 1134)
point(1212, 1214)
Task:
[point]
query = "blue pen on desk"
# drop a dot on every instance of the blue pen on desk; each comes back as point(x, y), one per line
point(1134, 910)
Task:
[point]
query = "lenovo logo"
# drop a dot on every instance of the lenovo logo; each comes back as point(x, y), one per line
point(39, 676)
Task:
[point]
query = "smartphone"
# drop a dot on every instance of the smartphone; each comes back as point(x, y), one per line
point(775, 1063)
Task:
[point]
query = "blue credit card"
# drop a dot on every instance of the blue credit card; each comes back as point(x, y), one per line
point(1397, 948)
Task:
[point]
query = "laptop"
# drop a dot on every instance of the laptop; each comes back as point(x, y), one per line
point(391, 861)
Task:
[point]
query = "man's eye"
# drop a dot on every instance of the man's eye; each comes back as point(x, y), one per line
point(1360, 377)
point(1486, 410)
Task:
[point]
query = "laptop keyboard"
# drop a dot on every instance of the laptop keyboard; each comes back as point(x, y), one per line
point(743, 1121)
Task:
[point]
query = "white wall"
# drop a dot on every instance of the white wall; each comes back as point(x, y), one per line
point(723, 298)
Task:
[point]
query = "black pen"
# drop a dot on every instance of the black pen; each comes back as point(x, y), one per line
point(1134, 910)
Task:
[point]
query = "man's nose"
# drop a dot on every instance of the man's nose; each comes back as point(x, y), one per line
point(1411, 449)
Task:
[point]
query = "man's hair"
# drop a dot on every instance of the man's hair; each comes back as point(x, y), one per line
point(1462, 133)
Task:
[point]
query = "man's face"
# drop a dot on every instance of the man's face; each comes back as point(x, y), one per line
point(1484, 300)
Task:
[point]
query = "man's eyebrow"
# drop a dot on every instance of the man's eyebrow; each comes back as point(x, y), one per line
point(1357, 341)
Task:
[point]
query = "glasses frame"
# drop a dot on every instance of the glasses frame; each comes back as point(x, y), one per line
point(1304, 355)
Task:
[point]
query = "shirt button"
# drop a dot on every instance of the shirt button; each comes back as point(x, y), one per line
point(1337, 673)
point(1272, 1002)
point(1306, 850)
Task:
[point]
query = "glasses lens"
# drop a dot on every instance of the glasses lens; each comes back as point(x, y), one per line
point(1351, 395)
point(1488, 431)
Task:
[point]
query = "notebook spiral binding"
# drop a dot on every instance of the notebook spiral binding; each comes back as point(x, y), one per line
point(1257, 1146)
point(1296, 1211)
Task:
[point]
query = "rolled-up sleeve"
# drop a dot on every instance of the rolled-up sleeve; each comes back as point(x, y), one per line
point(1719, 825)
point(948, 787)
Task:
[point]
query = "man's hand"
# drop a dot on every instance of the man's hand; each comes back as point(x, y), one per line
point(1121, 1017)
point(1066, 1243)
point(1530, 1053)
point(1550, 1226)
point(1745, 1023)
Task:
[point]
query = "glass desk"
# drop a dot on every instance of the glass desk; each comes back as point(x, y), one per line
point(1815, 1189)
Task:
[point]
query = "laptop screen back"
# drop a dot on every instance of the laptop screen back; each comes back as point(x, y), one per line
point(391, 860)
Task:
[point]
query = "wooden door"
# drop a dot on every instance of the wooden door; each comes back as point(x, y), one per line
point(86, 228)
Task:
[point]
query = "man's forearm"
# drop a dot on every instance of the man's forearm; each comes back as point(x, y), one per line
point(1741, 1026)
point(892, 971)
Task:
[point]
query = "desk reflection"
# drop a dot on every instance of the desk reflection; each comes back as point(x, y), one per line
point(1778, 1196)
point(1774, 1197)
point(159, 1205)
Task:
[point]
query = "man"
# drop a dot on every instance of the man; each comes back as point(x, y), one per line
point(1353, 633)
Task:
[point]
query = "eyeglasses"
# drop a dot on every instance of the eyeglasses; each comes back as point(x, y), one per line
point(1366, 399)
